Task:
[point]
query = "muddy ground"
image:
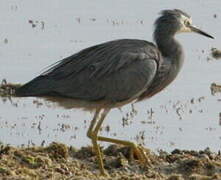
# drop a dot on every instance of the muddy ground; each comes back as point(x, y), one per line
point(58, 161)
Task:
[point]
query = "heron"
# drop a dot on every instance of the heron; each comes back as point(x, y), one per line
point(114, 73)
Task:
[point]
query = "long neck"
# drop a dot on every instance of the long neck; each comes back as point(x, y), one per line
point(171, 51)
point(169, 47)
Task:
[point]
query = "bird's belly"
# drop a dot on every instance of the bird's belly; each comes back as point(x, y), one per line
point(69, 103)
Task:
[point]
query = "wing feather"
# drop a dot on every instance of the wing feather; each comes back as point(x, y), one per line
point(115, 71)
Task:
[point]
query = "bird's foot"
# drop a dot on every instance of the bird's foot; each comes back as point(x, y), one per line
point(141, 153)
point(104, 173)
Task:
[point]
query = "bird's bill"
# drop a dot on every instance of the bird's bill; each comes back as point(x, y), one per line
point(195, 29)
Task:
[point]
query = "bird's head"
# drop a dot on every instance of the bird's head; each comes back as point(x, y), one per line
point(176, 21)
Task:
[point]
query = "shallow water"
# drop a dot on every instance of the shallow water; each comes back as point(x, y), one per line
point(35, 35)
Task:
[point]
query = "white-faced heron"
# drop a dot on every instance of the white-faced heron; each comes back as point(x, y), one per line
point(115, 73)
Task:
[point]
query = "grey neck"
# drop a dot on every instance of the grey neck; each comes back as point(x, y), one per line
point(169, 47)
point(171, 51)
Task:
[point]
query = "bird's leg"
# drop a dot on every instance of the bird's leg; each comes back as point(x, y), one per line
point(92, 133)
point(138, 150)
point(93, 122)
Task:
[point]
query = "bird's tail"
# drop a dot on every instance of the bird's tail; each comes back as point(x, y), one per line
point(37, 87)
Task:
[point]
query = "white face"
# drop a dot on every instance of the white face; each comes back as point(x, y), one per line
point(185, 21)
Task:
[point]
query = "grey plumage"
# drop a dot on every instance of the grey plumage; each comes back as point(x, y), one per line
point(101, 72)
point(118, 70)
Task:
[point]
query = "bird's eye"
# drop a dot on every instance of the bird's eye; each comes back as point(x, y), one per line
point(187, 23)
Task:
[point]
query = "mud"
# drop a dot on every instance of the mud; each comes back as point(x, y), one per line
point(58, 161)
point(216, 53)
point(7, 89)
point(215, 88)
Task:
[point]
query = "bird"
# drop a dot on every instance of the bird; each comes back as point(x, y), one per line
point(114, 73)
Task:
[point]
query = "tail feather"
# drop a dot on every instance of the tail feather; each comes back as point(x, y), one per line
point(39, 86)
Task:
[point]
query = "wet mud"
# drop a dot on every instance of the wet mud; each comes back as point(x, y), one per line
point(58, 161)
point(8, 89)
point(216, 53)
point(215, 89)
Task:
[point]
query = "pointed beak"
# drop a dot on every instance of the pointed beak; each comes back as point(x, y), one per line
point(195, 29)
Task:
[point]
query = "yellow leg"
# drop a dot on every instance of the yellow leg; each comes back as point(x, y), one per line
point(93, 122)
point(92, 133)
